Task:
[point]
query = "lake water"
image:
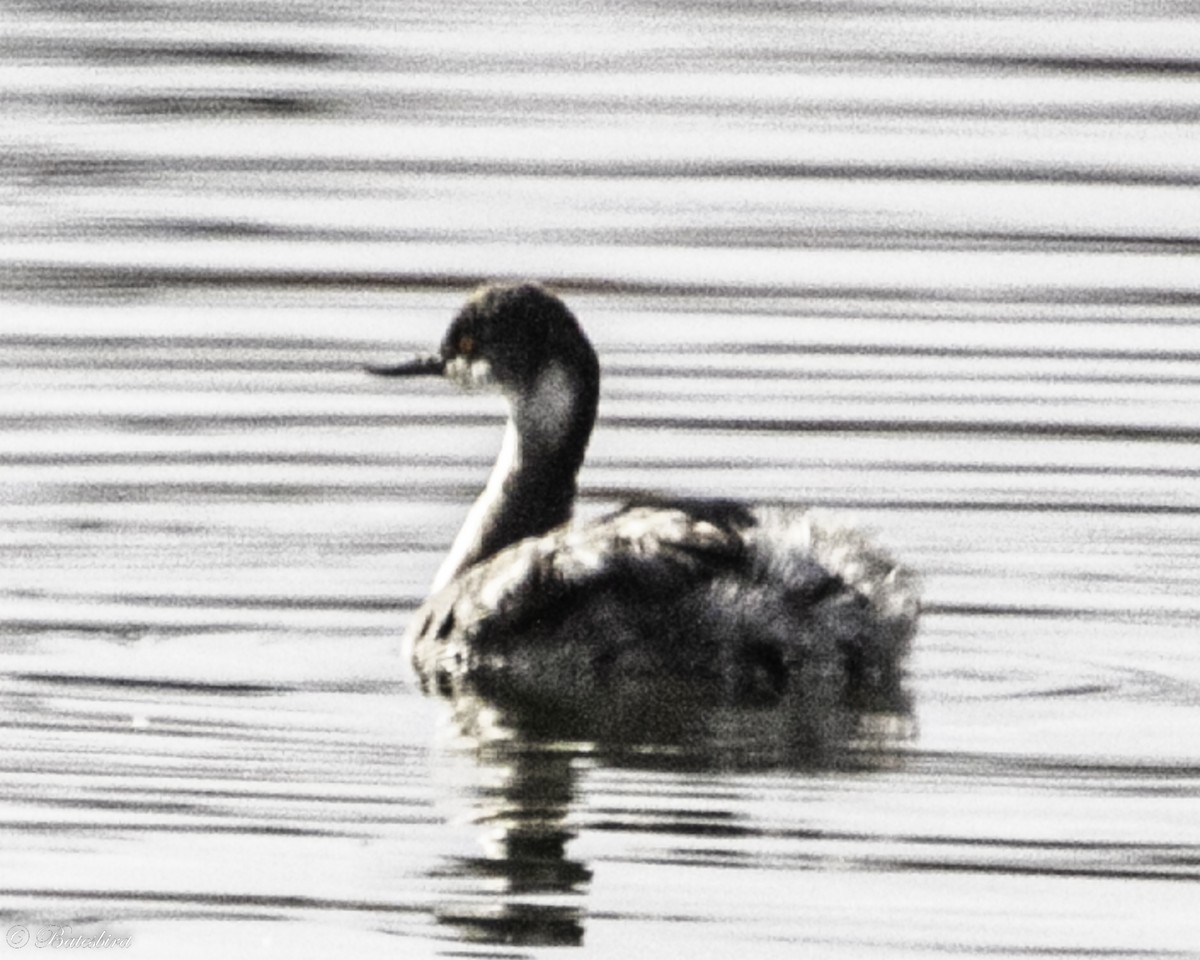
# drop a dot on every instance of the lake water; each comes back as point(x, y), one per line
point(931, 265)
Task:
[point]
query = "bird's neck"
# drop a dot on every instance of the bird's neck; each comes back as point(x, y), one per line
point(531, 489)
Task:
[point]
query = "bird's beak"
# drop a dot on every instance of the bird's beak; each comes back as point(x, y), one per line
point(417, 367)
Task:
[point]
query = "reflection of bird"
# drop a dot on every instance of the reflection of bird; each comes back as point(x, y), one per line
point(744, 599)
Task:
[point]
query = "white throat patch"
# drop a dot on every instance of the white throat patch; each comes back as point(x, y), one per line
point(470, 374)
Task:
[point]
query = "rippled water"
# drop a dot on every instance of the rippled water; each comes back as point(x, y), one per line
point(931, 264)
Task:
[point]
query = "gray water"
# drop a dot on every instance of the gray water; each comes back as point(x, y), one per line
point(930, 265)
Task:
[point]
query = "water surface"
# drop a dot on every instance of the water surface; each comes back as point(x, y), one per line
point(928, 264)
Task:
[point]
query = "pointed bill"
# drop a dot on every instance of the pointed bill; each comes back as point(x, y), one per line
point(416, 367)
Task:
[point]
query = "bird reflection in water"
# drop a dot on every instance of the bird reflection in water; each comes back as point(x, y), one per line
point(523, 889)
point(512, 767)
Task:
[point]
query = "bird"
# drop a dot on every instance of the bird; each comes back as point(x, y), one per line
point(746, 603)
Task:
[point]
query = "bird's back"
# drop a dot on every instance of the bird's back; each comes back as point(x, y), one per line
point(746, 604)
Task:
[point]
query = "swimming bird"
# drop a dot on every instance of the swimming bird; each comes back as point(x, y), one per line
point(750, 603)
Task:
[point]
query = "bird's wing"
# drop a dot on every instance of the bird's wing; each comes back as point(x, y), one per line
point(654, 550)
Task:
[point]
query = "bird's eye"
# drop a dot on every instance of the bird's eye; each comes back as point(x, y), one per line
point(466, 343)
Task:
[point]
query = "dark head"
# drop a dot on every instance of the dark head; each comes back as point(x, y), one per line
point(509, 337)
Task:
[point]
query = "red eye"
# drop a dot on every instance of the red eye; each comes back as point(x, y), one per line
point(466, 343)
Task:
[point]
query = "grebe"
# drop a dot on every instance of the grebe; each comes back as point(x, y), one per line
point(749, 601)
